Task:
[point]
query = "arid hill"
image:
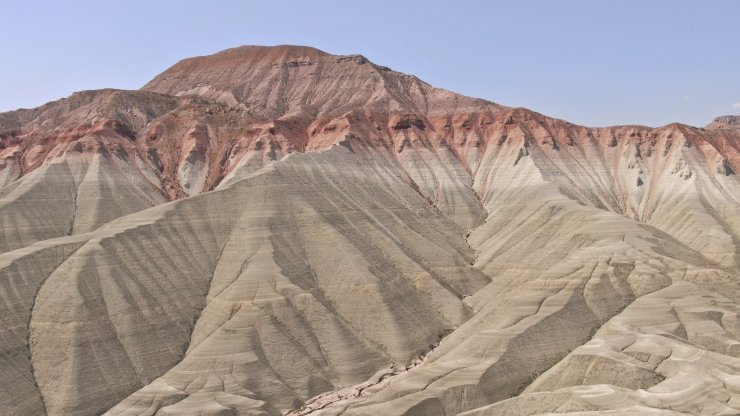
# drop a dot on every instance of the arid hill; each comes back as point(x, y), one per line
point(273, 230)
point(725, 122)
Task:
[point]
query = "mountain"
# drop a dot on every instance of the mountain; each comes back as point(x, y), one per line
point(272, 230)
point(725, 122)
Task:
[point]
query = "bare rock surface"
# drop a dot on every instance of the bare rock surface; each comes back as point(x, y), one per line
point(278, 230)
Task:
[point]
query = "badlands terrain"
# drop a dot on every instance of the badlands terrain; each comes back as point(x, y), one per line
point(278, 230)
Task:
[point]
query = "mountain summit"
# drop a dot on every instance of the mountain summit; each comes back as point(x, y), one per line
point(284, 81)
point(725, 122)
point(281, 231)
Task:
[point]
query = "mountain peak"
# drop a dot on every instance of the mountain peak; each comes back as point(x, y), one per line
point(280, 81)
point(250, 54)
point(725, 122)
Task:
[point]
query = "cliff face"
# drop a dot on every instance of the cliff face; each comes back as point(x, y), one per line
point(262, 225)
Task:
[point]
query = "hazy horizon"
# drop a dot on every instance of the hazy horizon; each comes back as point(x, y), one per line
point(594, 63)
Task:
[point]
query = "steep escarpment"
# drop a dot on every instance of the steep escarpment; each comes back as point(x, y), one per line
point(263, 225)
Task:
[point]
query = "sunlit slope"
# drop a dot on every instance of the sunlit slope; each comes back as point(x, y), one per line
point(350, 264)
point(560, 270)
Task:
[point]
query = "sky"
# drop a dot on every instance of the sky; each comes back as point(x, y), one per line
point(591, 62)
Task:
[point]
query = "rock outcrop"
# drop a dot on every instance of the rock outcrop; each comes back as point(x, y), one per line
point(725, 122)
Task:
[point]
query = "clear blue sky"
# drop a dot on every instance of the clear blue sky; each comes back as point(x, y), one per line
point(592, 62)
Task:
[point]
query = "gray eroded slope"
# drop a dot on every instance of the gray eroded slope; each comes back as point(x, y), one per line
point(132, 292)
point(560, 269)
